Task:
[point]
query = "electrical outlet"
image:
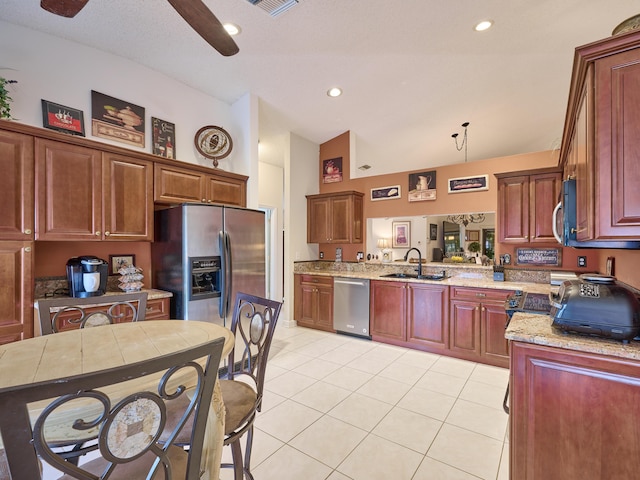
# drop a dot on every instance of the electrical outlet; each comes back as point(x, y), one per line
point(321, 255)
point(582, 261)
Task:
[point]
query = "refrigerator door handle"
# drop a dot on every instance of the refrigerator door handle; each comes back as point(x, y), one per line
point(228, 272)
point(222, 305)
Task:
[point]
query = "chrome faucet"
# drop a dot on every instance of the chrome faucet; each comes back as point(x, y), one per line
point(406, 256)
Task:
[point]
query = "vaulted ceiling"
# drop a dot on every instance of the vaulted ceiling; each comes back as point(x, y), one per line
point(412, 71)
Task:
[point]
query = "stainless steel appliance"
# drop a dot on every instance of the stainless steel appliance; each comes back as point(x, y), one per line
point(564, 223)
point(351, 306)
point(87, 276)
point(205, 254)
point(597, 305)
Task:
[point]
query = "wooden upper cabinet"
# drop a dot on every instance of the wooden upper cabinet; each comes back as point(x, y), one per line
point(600, 140)
point(525, 205)
point(335, 218)
point(69, 191)
point(16, 187)
point(173, 185)
point(127, 189)
point(83, 196)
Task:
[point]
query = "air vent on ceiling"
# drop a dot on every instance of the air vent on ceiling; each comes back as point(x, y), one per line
point(274, 7)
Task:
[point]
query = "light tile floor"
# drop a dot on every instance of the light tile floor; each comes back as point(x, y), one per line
point(340, 408)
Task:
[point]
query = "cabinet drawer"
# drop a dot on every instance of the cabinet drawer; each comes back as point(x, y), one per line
point(157, 309)
point(317, 280)
point(480, 294)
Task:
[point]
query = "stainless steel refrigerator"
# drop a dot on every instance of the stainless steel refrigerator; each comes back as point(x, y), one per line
point(204, 255)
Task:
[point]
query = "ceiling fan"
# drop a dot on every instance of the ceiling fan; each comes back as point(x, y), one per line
point(195, 12)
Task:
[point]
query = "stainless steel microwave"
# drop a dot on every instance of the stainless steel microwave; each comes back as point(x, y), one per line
point(565, 224)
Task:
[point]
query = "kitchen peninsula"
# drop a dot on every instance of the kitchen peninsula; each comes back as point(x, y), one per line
point(575, 403)
point(462, 315)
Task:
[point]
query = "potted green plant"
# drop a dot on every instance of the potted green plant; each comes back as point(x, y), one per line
point(5, 99)
point(474, 247)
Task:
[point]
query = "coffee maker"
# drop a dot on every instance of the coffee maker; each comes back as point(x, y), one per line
point(87, 276)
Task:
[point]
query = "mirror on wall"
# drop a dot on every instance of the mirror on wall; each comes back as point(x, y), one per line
point(388, 239)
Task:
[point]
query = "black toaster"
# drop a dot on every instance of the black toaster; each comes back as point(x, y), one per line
point(597, 305)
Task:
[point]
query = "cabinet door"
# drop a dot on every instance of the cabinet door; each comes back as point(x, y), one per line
point(68, 192)
point(16, 187)
point(128, 198)
point(309, 304)
point(494, 346)
point(318, 220)
point(583, 163)
point(464, 324)
point(226, 192)
point(16, 294)
point(178, 185)
point(324, 319)
point(388, 309)
point(428, 315)
point(618, 146)
point(341, 225)
point(513, 199)
point(573, 415)
point(545, 194)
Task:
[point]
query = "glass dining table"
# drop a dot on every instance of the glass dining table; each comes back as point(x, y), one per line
point(54, 357)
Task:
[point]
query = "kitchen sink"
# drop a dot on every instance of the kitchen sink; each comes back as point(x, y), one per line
point(414, 276)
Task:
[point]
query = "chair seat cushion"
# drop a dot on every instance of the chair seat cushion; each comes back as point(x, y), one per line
point(138, 469)
point(239, 402)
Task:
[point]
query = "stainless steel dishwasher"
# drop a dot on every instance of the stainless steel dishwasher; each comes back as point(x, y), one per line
point(351, 306)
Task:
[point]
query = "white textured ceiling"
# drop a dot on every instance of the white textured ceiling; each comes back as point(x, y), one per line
point(412, 70)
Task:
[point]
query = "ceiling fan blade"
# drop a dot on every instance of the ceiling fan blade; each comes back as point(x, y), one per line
point(64, 8)
point(205, 23)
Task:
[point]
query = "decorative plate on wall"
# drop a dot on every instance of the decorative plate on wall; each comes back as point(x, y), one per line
point(213, 142)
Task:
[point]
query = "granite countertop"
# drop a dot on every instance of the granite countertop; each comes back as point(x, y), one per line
point(537, 329)
point(152, 294)
point(458, 275)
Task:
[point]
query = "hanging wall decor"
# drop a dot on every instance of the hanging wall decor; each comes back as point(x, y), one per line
point(117, 120)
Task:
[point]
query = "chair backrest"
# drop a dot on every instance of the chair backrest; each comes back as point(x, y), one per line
point(56, 314)
point(129, 427)
point(253, 324)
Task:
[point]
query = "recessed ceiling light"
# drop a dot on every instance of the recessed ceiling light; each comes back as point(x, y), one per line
point(484, 25)
point(231, 28)
point(334, 92)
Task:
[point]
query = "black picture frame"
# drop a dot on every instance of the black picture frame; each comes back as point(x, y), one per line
point(120, 260)
point(62, 118)
point(433, 231)
point(164, 138)
point(117, 120)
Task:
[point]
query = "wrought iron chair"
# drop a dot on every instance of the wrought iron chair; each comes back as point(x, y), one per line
point(90, 311)
point(253, 323)
point(129, 428)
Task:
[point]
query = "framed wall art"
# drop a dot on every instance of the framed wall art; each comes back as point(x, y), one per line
point(116, 262)
point(433, 231)
point(401, 234)
point(117, 120)
point(469, 184)
point(385, 193)
point(62, 119)
point(422, 186)
point(473, 235)
point(332, 170)
point(164, 138)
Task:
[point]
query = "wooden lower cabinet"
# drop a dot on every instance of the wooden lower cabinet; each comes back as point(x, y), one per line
point(16, 292)
point(415, 314)
point(573, 415)
point(477, 320)
point(313, 301)
point(157, 309)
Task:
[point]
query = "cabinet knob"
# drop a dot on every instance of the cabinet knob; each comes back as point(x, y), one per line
point(98, 233)
point(526, 237)
point(204, 200)
point(27, 249)
point(106, 234)
point(481, 294)
point(27, 231)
